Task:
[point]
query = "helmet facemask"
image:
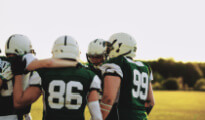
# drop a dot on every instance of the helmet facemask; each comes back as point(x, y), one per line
point(98, 52)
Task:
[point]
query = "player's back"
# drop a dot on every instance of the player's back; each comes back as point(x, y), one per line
point(65, 92)
point(135, 79)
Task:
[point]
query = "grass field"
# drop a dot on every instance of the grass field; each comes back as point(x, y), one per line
point(169, 105)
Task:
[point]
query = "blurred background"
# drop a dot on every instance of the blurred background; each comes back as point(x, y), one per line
point(169, 34)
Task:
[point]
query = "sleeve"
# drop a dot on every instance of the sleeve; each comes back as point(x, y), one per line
point(111, 68)
point(150, 73)
point(151, 76)
point(96, 83)
point(35, 79)
point(29, 58)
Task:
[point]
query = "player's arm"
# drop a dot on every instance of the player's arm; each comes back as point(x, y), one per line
point(150, 100)
point(50, 63)
point(24, 98)
point(111, 87)
point(93, 99)
point(0, 83)
point(30, 63)
point(94, 106)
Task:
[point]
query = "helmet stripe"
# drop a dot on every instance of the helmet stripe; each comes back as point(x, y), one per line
point(9, 41)
point(113, 42)
point(65, 41)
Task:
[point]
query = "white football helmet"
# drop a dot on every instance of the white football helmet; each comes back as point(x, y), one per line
point(123, 44)
point(66, 47)
point(18, 44)
point(98, 47)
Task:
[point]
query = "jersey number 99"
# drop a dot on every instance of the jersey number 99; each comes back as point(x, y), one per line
point(140, 81)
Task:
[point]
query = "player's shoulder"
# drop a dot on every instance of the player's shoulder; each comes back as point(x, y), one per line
point(86, 71)
point(116, 59)
point(144, 65)
point(119, 61)
point(4, 58)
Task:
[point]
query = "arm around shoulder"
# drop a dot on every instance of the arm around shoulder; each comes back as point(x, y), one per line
point(50, 63)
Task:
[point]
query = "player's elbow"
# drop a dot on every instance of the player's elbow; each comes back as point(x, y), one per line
point(17, 105)
point(47, 63)
point(152, 102)
point(108, 99)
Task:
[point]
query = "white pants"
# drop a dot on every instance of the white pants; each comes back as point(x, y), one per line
point(9, 117)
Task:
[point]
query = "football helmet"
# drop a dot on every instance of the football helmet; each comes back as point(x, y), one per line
point(18, 44)
point(66, 47)
point(123, 44)
point(98, 48)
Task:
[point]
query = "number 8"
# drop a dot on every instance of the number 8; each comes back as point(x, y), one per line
point(59, 95)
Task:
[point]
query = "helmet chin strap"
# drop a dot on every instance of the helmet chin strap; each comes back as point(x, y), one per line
point(124, 54)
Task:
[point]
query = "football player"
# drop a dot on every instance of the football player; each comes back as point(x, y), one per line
point(18, 45)
point(126, 80)
point(97, 54)
point(66, 90)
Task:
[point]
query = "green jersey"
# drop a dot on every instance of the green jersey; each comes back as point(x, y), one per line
point(91, 67)
point(65, 91)
point(6, 90)
point(135, 78)
point(113, 115)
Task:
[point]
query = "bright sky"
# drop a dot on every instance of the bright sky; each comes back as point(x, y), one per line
point(162, 28)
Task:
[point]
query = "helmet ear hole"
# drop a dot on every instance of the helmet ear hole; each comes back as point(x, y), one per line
point(16, 51)
point(135, 49)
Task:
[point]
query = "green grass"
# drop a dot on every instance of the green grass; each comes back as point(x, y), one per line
point(169, 105)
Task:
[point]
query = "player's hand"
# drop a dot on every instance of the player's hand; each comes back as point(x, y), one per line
point(6, 73)
point(27, 117)
point(18, 65)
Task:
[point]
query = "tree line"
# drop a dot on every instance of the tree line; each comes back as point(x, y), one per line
point(171, 75)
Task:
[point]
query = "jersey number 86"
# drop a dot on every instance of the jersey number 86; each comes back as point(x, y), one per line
point(64, 90)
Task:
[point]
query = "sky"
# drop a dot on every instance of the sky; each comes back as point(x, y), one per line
point(162, 28)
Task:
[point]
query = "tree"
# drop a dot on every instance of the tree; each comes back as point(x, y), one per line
point(191, 74)
point(171, 84)
point(200, 84)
